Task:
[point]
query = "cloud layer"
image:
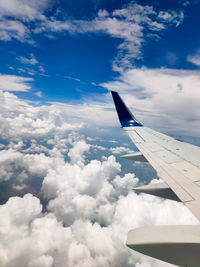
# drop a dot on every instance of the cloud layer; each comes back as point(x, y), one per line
point(85, 208)
point(160, 97)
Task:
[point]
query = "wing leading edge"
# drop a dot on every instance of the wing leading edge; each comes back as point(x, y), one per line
point(176, 162)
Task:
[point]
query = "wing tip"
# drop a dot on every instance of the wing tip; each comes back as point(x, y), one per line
point(126, 118)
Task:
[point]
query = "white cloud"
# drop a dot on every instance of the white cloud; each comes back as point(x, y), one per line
point(22, 121)
point(21, 166)
point(160, 97)
point(171, 16)
point(10, 29)
point(25, 10)
point(41, 69)
point(76, 153)
point(194, 59)
point(30, 66)
point(82, 243)
point(15, 16)
point(90, 207)
point(120, 149)
point(14, 83)
point(97, 147)
point(19, 211)
point(22, 227)
point(72, 78)
point(91, 139)
point(127, 24)
point(32, 60)
point(90, 113)
point(39, 94)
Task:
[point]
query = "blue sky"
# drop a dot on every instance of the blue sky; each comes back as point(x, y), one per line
point(72, 62)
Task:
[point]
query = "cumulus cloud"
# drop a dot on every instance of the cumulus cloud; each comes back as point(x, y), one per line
point(76, 153)
point(21, 121)
point(22, 227)
point(89, 207)
point(14, 164)
point(27, 134)
point(82, 242)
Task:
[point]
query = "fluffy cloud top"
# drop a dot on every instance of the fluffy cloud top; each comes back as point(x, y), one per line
point(81, 242)
point(89, 207)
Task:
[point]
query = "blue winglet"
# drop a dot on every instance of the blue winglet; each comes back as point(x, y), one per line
point(125, 116)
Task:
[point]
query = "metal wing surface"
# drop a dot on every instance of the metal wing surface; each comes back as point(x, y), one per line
point(176, 162)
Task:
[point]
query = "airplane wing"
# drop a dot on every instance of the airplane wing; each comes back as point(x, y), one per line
point(176, 162)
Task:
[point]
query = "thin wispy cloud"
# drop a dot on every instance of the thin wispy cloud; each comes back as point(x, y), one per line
point(72, 78)
point(194, 58)
point(30, 61)
point(11, 29)
point(127, 24)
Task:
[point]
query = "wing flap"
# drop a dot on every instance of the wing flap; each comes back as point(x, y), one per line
point(159, 189)
point(138, 156)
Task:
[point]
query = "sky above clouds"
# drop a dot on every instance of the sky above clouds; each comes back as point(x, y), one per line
point(66, 196)
point(65, 52)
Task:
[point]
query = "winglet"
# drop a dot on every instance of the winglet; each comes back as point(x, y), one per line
point(125, 116)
